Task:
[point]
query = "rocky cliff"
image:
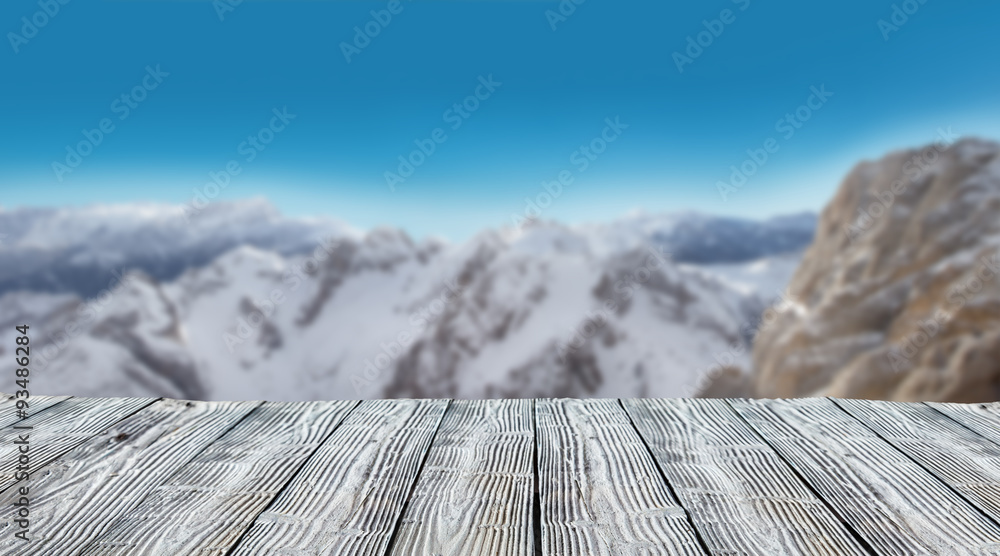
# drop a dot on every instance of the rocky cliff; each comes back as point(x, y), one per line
point(898, 297)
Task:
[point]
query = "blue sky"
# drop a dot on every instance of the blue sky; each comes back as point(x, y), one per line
point(892, 87)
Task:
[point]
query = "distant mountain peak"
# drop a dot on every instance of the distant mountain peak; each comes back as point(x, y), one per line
point(246, 304)
point(71, 249)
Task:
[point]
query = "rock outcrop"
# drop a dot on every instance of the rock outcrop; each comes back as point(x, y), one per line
point(898, 297)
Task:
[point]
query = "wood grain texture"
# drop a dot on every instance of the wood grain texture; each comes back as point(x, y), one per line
point(600, 490)
point(474, 496)
point(117, 477)
point(347, 499)
point(983, 418)
point(741, 496)
point(895, 505)
point(61, 428)
point(36, 404)
point(207, 505)
point(965, 461)
point(83, 493)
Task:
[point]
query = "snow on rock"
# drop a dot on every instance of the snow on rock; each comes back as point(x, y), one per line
point(302, 311)
point(75, 249)
point(899, 295)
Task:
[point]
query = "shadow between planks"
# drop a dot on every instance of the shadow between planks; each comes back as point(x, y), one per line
point(566, 477)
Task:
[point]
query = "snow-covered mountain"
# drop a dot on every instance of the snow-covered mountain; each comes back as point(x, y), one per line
point(77, 249)
point(245, 304)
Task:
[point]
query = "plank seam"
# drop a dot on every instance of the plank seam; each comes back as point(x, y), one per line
point(918, 464)
point(536, 499)
point(413, 486)
point(291, 478)
point(150, 491)
point(960, 423)
point(663, 477)
point(84, 441)
point(68, 398)
point(857, 536)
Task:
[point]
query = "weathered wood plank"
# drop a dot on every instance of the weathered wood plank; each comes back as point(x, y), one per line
point(983, 418)
point(741, 496)
point(348, 497)
point(61, 428)
point(207, 505)
point(895, 505)
point(36, 404)
point(474, 495)
point(965, 461)
point(600, 490)
point(83, 493)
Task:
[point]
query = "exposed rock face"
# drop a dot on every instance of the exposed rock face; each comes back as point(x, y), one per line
point(898, 297)
point(546, 310)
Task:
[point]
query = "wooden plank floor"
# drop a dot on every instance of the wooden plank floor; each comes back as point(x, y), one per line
point(548, 477)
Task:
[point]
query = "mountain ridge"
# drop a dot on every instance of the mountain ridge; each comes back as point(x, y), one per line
point(546, 309)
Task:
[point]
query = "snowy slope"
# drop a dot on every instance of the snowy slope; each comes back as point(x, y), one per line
point(76, 249)
point(546, 310)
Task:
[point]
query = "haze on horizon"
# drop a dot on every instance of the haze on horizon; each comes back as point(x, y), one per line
point(314, 116)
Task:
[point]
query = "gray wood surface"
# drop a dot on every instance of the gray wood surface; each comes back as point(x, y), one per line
point(84, 492)
point(600, 490)
point(741, 496)
point(60, 428)
point(207, 505)
point(36, 404)
point(349, 496)
point(983, 418)
point(475, 493)
point(965, 461)
point(895, 505)
point(117, 477)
